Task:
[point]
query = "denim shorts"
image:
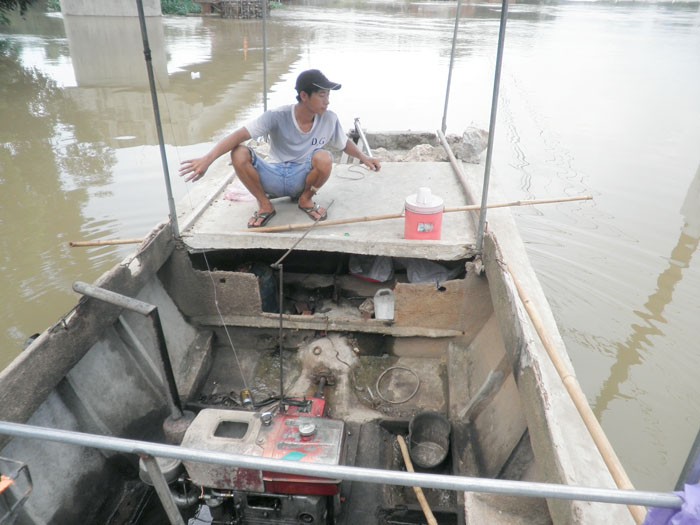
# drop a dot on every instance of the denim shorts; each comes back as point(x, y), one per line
point(284, 179)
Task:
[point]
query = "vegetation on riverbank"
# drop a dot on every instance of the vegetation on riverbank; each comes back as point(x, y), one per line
point(168, 7)
point(179, 7)
point(6, 6)
point(188, 7)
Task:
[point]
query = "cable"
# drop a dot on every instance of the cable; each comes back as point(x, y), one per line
point(381, 376)
point(354, 168)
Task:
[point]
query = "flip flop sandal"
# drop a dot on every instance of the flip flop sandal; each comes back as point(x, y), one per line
point(315, 209)
point(265, 216)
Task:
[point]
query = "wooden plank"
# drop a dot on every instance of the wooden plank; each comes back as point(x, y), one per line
point(323, 323)
point(464, 304)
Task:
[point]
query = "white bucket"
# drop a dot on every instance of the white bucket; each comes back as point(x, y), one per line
point(384, 304)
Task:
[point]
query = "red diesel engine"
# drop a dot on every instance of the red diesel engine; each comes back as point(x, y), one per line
point(256, 496)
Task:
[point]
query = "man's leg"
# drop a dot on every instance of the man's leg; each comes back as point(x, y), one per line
point(249, 176)
point(321, 166)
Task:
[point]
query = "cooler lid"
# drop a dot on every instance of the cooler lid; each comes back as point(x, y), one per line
point(424, 202)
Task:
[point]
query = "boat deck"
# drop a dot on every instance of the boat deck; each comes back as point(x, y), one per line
point(351, 193)
point(373, 394)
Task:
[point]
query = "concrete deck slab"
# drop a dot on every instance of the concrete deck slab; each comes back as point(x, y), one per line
point(352, 192)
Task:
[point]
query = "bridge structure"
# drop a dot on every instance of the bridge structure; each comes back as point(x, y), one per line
point(127, 8)
point(111, 8)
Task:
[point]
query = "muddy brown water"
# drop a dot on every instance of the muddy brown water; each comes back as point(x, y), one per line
point(596, 98)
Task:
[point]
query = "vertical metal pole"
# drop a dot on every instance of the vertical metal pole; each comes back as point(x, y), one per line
point(161, 486)
point(452, 59)
point(278, 266)
point(264, 32)
point(492, 126)
point(281, 335)
point(361, 133)
point(156, 111)
point(691, 470)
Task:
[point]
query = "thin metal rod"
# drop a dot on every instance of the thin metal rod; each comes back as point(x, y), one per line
point(691, 469)
point(290, 250)
point(280, 338)
point(492, 126)
point(384, 477)
point(264, 35)
point(161, 486)
point(452, 60)
point(116, 299)
point(278, 266)
point(150, 311)
point(156, 111)
point(358, 128)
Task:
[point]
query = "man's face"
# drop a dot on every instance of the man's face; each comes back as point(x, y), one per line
point(319, 100)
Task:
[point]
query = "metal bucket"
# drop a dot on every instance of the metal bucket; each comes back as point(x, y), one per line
point(429, 439)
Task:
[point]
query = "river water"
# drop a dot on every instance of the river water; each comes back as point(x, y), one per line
point(596, 99)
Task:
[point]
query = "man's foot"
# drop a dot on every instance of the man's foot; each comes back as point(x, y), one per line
point(260, 219)
point(315, 212)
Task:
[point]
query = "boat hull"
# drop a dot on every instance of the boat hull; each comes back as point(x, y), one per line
point(462, 346)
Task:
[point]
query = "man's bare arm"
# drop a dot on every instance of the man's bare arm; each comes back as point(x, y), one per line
point(352, 150)
point(194, 169)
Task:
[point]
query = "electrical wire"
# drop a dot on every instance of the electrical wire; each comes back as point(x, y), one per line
point(204, 254)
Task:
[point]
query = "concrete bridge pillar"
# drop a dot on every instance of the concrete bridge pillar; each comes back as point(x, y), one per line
point(109, 8)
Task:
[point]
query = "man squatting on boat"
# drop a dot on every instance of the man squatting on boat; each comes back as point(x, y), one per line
point(298, 165)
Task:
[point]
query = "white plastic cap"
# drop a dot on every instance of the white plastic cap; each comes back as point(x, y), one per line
point(424, 196)
point(424, 202)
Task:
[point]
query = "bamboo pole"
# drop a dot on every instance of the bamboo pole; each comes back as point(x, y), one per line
point(110, 242)
point(419, 491)
point(370, 218)
point(581, 402)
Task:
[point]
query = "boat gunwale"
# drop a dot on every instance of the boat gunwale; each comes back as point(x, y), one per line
point(552, 419)
point(29, 379)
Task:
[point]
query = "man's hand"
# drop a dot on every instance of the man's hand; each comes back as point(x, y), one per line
point(371, 163)
point(352, 150)
point(194, 169)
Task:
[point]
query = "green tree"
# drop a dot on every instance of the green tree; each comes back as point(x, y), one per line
point(12, 5)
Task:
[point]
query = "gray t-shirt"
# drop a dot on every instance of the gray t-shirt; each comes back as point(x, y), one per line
point(287, 142)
